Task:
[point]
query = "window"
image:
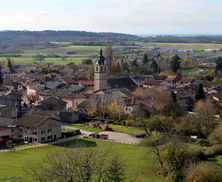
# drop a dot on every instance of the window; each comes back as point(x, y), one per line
point(49, 130)
point(35, 139)
point(43, 139)
point(12, 130)
point(42, 131)
point(34, 132)
point(101, 68)
point(49, 137)
point(97, 68)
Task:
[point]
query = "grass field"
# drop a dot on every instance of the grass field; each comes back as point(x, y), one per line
point(140, 164)
point(126, 129)
point(82, 127)
point(56, 61)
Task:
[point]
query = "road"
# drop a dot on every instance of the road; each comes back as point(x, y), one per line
point(113, 137)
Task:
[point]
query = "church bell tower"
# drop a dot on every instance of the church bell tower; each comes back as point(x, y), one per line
point(100, 75)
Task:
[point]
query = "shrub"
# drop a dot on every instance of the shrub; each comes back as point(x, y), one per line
point(214, 150)
point(202, 142)
point(216, 136)
point(204, 172)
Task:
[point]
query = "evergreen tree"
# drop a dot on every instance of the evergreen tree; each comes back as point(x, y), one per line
point(154, 68)
point(125, 68)
point(145, 58)
point(175, 63)
point(87, 61)
point(218, 66)
point(1, 76)
point(115, 171)
point(199, 92)
point(134, 63)
point(171, 108)
point(11, 67)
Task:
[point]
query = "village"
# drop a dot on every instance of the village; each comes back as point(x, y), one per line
point(34, 106)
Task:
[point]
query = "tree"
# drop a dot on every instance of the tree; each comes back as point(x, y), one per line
point(87, 61)
point(205, 111)
point(171, 108)
point(216, 135)
point(85, 165)
point(39, 57)
point(1, 76)
point(11, 66)
point(199, 92)
point(140, 118)
point(115, 172)
point(90, 72)
point(175, 63)
point(160, 123)
point(32, 97)
point(109, 53)
point(218, 66)
point(204, 172)
point(145, 58)
point(154, 68)
point(134, 63)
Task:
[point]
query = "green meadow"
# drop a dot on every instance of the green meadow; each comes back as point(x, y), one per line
point(139, 162)
point(56, 61)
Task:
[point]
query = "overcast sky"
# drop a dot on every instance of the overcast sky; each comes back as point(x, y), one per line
point(126, 16)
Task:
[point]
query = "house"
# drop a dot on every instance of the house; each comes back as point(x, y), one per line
point(7, 129)
point(172, 79)
point(134, 105)
point(187, 81)
point(38, 128)
point(72, 100)
point(52, 103)
point(9, 106)
point(124, 82)
point(69, 116)
point(152, 83)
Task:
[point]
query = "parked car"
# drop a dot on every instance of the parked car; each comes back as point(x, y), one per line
point(103, 136)
point(98, 136)
point(140, 136)
point(76, 132)
point(93, 135)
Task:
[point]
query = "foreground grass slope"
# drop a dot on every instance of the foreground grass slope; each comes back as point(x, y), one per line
point(140, 165)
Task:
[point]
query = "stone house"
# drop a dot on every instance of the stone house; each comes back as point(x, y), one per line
point(134, 105)
point(72, 100)
point(52, 103)
point(7, 129)
point(38, 128)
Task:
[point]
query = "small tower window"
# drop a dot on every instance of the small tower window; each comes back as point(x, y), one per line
point(97, 68)
point(101, 68)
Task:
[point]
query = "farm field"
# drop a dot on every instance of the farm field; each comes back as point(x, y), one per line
point(138, 166)
point(196, 46)
point(56, 61)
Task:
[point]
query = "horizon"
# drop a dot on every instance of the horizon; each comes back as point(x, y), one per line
point(157, 17)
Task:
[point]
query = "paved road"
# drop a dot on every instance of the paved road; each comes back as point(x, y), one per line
point(113, 136)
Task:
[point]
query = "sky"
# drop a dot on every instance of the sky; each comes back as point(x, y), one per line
point(123, 16)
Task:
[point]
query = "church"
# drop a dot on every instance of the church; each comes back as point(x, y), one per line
point(102, 82)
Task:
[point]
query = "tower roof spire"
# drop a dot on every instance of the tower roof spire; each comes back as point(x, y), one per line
point(101, 52)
